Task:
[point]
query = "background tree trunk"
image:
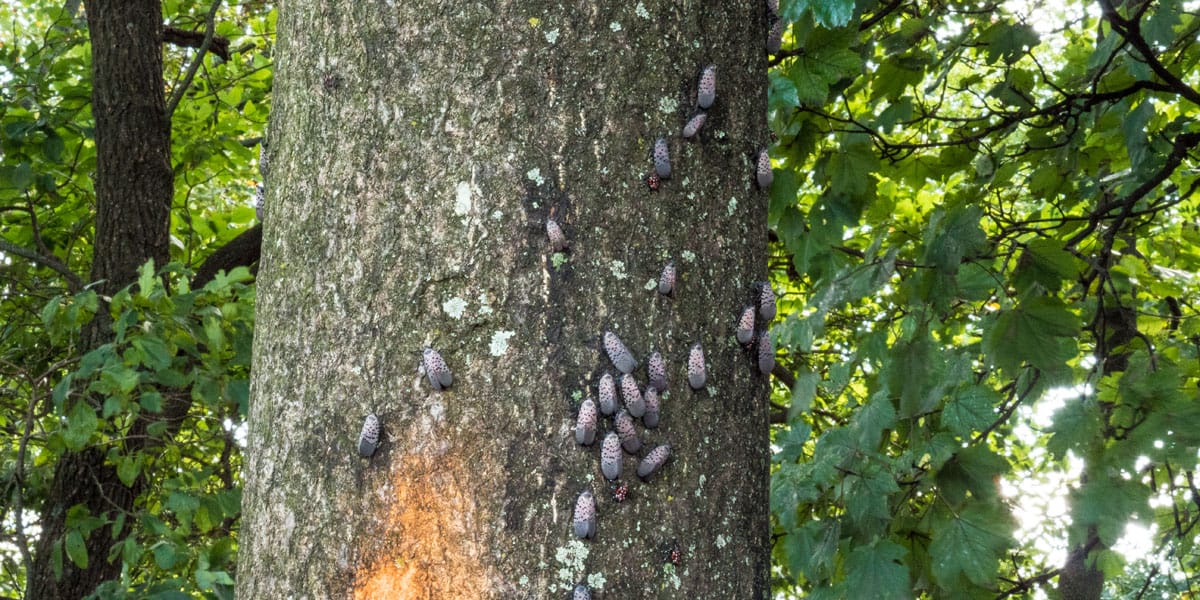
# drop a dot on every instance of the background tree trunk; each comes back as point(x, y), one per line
point(418, 148)
point(134, 187)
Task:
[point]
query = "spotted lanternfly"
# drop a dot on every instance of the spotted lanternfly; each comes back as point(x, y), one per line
point(626, 432)
point(654, 460)
point(666, 281)
point(436, 370)
point(620, 356)
point(585, 515)
point(762, 171)
point(775, 36)
point(264, 160)
point(695, 368)
point(656, 368)
point(650, 419)
point(662, 159)
point(652, 181)
point(608, 394)
point(558, 241)
point(260, 200)
point(581, 593)
point(773, 7)
point(632, 395)
point(766, 353)
point(621, 492)
point(766, 302)
point(585, 425)
point(674, 555)
point(745, 326)
point(368, 439)
point(706, 90)
point(694, 124)
point(610, 456)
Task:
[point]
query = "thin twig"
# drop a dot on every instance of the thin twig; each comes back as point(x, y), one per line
point(209, 25)
point(51, 262)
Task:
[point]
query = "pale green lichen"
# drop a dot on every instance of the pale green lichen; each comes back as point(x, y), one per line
point(670, 575)
point(596, 581)
point(641, 11)
point(499, 343)
point(484, 308)
point(572, 557)
point(552, 36)
point(731, 207)
point(577, 395)
point(535, 175)
point(700, 490)
point(668, 104)
point(650, 284)
point(618, 269)
point(721, 541)
point(688, 255)
point(462, 198)
point(558, 259)
point(455, 307)
point(615, 26)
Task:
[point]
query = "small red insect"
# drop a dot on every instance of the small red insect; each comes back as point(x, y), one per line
point(621, 492)
point(675, 555)
point(652, 181)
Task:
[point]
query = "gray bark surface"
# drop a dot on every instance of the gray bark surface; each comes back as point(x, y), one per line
point(418, 148)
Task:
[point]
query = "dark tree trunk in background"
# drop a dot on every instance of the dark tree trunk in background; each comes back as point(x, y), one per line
point(133, 184)
point(418, 149)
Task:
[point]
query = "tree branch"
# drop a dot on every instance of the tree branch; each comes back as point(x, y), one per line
point(219, 45)
point(177, 93)
point(1131, 31)
point(49, 261)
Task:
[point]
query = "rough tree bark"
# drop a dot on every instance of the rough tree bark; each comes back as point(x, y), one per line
point(133, 184)
point(418, 148)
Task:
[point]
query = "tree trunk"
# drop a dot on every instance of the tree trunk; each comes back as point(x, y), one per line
point(133, 199)
point(418, 149)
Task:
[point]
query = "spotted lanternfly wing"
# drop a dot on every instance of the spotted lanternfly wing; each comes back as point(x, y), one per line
point(695, 368)
point(766, 302)
point(766, 353)
point(626, 432)
point(662, 159)
point(558, 240)
point(650, 419)
point(773, 7)
point(607, 390)
point(632, 396)
point(762, 171)
point(666, 281)
point(652, 181)
point(654, 460)
point(775, 36)
point(368, 439)
point(706, 90)
point(581, 593)
point(694, 124)
point(436, 370)
point(585, 516)
point(620, 356)
point(745, 326)
point(585, 424)
point(264, 159)
point(260, 201)
point(656, 369)
point(610, 456)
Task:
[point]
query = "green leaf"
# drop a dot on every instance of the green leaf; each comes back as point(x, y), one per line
point(76, 549)
point(973, 471)
point(1041, 331)
point(81, 424)
point(128, 469)
point(876, 571)
point(1109, 503)
point(971, 544)
point(972, 409)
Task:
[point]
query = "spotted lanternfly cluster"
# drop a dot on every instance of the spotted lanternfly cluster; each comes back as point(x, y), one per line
point(610, 456)
point(656, 369)
point(621, 492)
point(766, 353)
point(607, 390)
point(368, 439)
point(696, 375)
point(666, 281)
point(436, 370)
point(654, 461)
point(585, 424)
point(558, 240)
point(650, 418)
point(745, 326)
point(762, 172)
point(632, 395)
point(620, 356)
point(582, 592)
point(706, 90)
point(662, 159)
point(626, 432)
point(585, 516)
point(694, 124)
point(260, 201)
